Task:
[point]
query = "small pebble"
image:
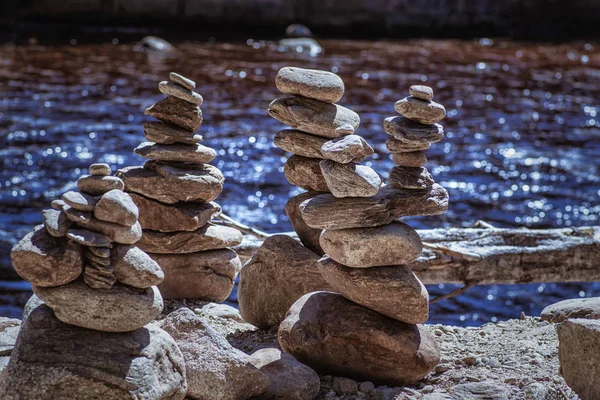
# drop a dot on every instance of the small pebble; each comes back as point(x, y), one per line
point(182, 80)
point(344, 386)
point(366, 387)
point(470, 360)
point(427, 389)
point(421, 92)
point(441, 368)
point(100, 169)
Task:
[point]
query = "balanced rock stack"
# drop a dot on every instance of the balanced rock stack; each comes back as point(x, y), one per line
point(174, 191)
point(370, 329)
point(95, 293)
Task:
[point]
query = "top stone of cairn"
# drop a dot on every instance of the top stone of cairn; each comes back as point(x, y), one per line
point(319, 85)
point(421, 92)
point(182, 80)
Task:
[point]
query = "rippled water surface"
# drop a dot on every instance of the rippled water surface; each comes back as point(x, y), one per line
point(522, 145)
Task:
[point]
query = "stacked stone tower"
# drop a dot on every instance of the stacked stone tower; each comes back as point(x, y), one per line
point(370, 329)
point(100, 292)
point(174, 191)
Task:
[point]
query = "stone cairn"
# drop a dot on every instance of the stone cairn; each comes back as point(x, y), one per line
point(367, 326)
point(174, 191)
point(94, 294)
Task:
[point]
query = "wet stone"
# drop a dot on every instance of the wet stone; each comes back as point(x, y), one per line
point(350, 180)
point(177, 112)
point(193, 153)
point(412, 132)
point(398, 146)
point(347, 149)
point(305, 172)
point(160, 132)
point(182, 80)
point(411, 178)
point(424, 112)
point(421, 92)
point(80, 201)
point(414, 159)
point(88, 238)
point(100, 169)
point(56, 222)
point(98, 185)
point(118, 207)
point(314, 84)
point(180, 92)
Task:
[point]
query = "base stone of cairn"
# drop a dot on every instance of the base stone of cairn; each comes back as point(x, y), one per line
point(86, 332)
point(174, 191)
point(369, 328)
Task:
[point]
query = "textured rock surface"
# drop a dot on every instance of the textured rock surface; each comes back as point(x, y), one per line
point(327, 212)
point(215, 370)
point(193, 153)
point(307, 235)
point(118, 207)
point(278, 274)
point(398, 146)
point(421, 92)
point(315, 84)
point(587, 308)
point(80, 201)
point(209, 237)
point(159, 132)
point(44, 260)
point(289, 378)
point(313, 116)
point(177, 112)
point(207, 275)
point(414, 159)
point(172, 184)
point(411, 178)
point(89, 238)
point(351, 148)
point(55, 361)
point(9, 329)
point(94, 185)
point(305, 173)
point(350, 180)
point(300, 143)
point(101, 169)
point(116, 232)
point(182, 80)
point(579, 352)
point(182, 216)
point(56, 222)
point(180, 92)
point(394, 291)
point(392, 244)
point(424, 112)
point(120, 309)
point(335, 336)
point(135, 268)
point(412, 132)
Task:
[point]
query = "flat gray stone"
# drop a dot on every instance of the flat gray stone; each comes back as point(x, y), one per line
point(313, 116)
point(80, 201)
point(180, 92)
point(193, 153)
point(300, 143)
point(398, 146)
point(121, 309)
point(314, 84)
point(411, 178)
point(421, 92)
point(422, 111)
point(118, 207)
point(182, 80)
point(586, 308)
point(98, 185)
point(56, 222)
point(480, 391)
point(307, 235)
point(100, 169)
point(45, 260)
point(208, 237)
point(305, 172)
point(392, 244)
point(350, 180)
point(89, 238)
point(159, 132)
point(347, 149)
point(134, 267)
point(411, 132)
point(415, 159)
point(177, 112)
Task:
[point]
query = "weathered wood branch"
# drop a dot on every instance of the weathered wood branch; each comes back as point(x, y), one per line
point(492, 255)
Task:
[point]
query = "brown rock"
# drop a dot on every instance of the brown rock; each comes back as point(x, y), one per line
point(44, 260)
point(350, 180)
point(180, 92)
point(209, 237)
point(89, 238)
point(300, 143)
point(182, 80)
point(307, 235)
point(134, 267)
point(115, 232)
point(305, 173)
point(95, 185)
point(89, 255)
point(159, 132)
point(392, 244)
point(347, 149)
point(412, 132)
point(120, 309)
point(421, 92)
point(415, 159)
point(172, 184)
point(80, 201)
point(278, 274)
point(327, 212)
point(393, 291)
point(578, 353)
point(81, 217)
point(207, 275)
point(411, 178)
point(587, 308)
point(193, 153)
point(337, 337)
point(100, 169)
point(57, 204)
point(215, 370)
point(177, 112)
point(314, 84)
point(118, 207)
point(398, 146)
point(424, 112)
point(182, 216)
point(56, 222)
point(290, 379)
point(103, 252)
point(98, 276)
point(313, 116)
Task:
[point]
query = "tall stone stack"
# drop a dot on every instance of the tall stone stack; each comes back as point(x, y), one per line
point(369, 329)
point(174, 191)
point(95, 293)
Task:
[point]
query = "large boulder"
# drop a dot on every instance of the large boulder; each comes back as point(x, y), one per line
point(307, 235)
point(45, 260)
point(278, 274)
point(57, 361)
point(338, 337)
point(289, 378)
point(394, 291)
point(588, 308)
point(578, 353)
point(215, 370)
point(119, 309)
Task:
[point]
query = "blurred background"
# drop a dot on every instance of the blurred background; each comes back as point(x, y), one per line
point(520, 81)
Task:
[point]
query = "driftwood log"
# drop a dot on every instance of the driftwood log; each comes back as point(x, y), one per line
point(488, 255)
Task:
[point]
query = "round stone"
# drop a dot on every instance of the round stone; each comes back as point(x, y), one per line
point(421, 92)
point(350, 180)
point(422, 111)
point(347, 149)
point(118, 207)
point(80, 201)
point(315, 84)
point(411, 132)
point(100, 169)
point(98, 185)
point(414, 159)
